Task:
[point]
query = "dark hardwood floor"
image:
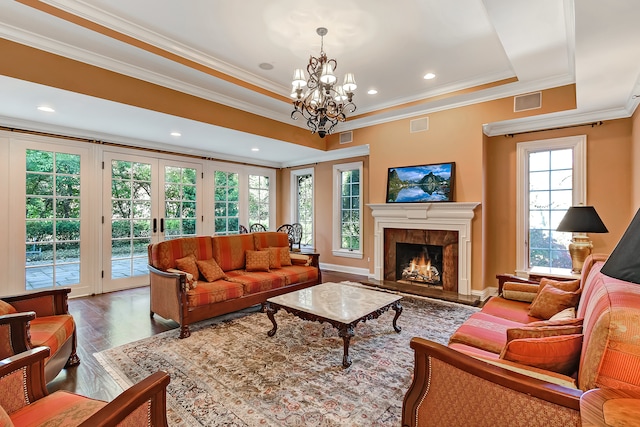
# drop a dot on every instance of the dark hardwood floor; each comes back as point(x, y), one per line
point(109, 320)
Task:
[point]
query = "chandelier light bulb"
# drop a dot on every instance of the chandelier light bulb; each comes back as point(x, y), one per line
point(299, 80)
point(349, 83)
point(340, 95)
point(327, 77)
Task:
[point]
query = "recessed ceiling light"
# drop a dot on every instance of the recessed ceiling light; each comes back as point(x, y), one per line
point(372, 91)
point(255, 149)
point(266, 66)
point(429, 76)
point(46, 109)
point(176, 134)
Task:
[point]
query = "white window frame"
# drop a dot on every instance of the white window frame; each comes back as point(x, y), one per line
point(579, 145)
point(294, 198)
point(337, 222)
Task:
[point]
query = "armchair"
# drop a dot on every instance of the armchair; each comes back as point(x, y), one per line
point(24, 399)
point(39, 319)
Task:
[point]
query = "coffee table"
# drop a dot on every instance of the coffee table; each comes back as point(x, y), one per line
point(339, 304)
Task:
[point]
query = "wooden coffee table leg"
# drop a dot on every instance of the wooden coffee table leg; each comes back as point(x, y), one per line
point(271, 310)
point(346, 332)
point(398, 308)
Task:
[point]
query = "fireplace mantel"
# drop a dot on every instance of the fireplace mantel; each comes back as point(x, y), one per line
point(455, 216)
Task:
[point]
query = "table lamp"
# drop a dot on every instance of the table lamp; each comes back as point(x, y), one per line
point(624, 261)
point(580, 220)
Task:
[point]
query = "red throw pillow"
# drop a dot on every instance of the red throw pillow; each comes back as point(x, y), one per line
point(285, 257)
point(558, 354)
point(188, 265)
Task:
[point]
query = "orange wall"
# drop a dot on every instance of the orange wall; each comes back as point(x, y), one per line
point(635, 161)
point(609, 168)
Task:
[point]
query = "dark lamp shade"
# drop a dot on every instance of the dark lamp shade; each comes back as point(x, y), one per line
point(582, 219)
point(624, 261)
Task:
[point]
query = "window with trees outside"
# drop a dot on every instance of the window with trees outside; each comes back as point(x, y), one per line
point(552, 175)
point(302, 180)
point(52, 219)
point(347, 235)
point(180, 204)
point(227, 196)
point(259, 200)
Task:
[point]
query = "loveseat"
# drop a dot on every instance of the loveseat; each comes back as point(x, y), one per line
point(196, 278)
point(39, 319)
point(501, 368)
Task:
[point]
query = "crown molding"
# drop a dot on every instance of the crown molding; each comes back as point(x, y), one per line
point(332, 155)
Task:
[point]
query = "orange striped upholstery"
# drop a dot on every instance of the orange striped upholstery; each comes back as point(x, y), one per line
point(517, 311)
point(13, 396)
point(43, 305)
point(297, 273)
point(211, 292)
point(164, 254)
point(267, 239)
point(229, 251)
point(51, 331)
point(256, 281)
point(484, 331)
point(59, 409)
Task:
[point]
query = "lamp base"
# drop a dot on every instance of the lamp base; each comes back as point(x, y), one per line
point(579, 249)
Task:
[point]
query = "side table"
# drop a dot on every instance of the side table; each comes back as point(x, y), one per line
point(608, 407)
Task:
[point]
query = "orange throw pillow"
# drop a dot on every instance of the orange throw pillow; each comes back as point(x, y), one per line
point(274, 258)
point(541, 331)
point(188, 265)
point(285, 257)
point(210, 270)
point(552, 300)
point(558, 354)
point(6, 308)
point(257, 260)
point(565, 285)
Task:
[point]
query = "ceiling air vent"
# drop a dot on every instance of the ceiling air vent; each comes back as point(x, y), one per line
point(346, 137)
point(419, 125)
point(530, 101)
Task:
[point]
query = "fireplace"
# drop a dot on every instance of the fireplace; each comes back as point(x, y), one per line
point(427, 257)
point(432, 224)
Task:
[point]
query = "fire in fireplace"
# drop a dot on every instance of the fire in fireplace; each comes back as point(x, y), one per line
point(419, 263)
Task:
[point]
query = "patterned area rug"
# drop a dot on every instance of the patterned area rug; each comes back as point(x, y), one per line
point(229, 373)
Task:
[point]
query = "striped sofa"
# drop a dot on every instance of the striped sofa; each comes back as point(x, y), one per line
point(472, 382)
point(238, 279)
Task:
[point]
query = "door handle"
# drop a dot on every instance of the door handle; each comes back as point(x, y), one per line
point(155, 225)
point(162, 225)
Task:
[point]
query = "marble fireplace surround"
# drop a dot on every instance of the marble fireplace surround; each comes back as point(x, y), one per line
point(452, 216)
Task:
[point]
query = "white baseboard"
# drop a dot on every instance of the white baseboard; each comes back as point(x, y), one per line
point(486, 293)
point(345, 269)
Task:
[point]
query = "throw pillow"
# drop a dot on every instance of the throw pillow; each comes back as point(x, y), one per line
point(300, 259)
point(565, 285)
point(561, 322)
point(566, 314)
point(190, 282)
point(257, 260)
point(275, 258)
point(525, 292)
point(285, 257)
point(558, 354)
point(552, 300)
point(210, 270)
point(188, 265)
point(541, 331)
point(6, 308)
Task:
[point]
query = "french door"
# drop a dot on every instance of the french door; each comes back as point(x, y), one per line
point(145, 200)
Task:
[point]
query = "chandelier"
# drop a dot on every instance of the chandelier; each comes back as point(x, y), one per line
point(317, 98)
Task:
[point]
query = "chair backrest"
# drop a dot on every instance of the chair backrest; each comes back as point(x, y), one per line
point(242, 229)
point(286, 228)
point(296, 234)
point(257, 227)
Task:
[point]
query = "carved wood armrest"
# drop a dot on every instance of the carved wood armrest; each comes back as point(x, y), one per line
point(33, 361)
point(18, 332)
point(153, 389)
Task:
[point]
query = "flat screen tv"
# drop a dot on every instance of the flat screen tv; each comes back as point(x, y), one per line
point(421, 184)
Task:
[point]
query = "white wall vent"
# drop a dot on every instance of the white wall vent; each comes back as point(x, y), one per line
point(530, 101)
point(419, 125)
point(346, 137)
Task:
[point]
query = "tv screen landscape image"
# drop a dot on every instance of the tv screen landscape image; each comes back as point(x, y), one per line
point(421, 184)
